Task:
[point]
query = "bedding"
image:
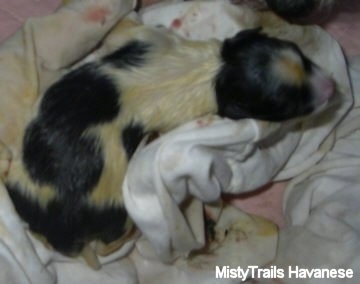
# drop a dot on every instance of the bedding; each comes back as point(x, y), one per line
point(25, 260)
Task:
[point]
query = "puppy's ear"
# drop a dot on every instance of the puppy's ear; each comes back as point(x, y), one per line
point(232, 45)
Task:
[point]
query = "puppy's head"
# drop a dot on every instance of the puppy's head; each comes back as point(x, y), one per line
point(268, 79)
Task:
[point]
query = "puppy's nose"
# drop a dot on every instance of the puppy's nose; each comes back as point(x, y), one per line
point(324, 87)
point(327, 88)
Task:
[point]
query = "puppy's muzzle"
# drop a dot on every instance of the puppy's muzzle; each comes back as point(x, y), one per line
point(323, 88)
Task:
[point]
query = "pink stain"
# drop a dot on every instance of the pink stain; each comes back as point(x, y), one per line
point(204, 122)
point(96, 14)
point(201, 122)
point(176, 23)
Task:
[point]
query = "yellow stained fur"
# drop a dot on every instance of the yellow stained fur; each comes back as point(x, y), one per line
point(167, 81)
point(40, 194)
point(289, 68)
point(108, 190)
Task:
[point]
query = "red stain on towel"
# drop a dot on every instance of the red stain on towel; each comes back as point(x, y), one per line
point(205, 121)
point(176, 23)
point(96, 14)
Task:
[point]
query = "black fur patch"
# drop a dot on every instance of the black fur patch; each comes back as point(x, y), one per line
point(55, 150)
point(69, 231)
point(70, 163)
point(131, 136)
point(82, 98)
point(130, 55)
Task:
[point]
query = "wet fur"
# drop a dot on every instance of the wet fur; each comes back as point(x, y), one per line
point(67, 186)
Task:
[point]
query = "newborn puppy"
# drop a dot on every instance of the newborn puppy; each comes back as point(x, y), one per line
point(292, 9)
point(299, 8)
point(87, 125)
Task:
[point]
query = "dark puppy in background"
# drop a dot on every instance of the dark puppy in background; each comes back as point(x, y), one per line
point(300, 8)
point(87, 125)
point(292, 9)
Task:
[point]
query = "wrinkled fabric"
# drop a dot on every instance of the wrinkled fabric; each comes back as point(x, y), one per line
point(322, 204)
point(200, 159)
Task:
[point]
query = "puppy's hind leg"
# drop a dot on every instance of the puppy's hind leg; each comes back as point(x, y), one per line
point(90, 257)
point(104, 249)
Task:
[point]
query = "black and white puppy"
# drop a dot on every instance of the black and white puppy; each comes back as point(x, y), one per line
point(87, 125)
